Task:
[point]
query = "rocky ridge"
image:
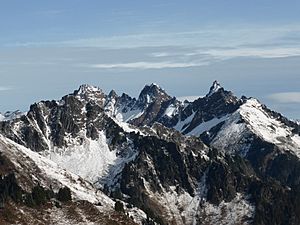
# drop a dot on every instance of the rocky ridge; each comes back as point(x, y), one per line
point(169, 158)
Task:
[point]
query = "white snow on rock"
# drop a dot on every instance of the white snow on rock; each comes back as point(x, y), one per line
point(238, 211)
point(214, 88)
point(23, 158)
point(90, 93)
point(129, 115)
point(252, 118)
point(46, 172)
point(269, 129)
point(86, 88)
point(121, 113)
point(128, 128)
point(206, 126)
point(89, 160)
point(183, 123)
point(231, 137)
point(11, 115)
point(92, 159)
point(171, 111)
point(190, 210)
point(190, 98)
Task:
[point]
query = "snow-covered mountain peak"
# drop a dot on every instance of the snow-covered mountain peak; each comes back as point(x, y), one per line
point(154, 85)
point(151, 93)
point(130, 149)
point(87, 88)
point(214, 88)
point(90, 93)
point(270, 129)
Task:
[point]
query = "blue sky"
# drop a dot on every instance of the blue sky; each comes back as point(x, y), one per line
point(48, 48)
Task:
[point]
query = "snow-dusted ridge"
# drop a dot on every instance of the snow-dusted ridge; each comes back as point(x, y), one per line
point(186, 209)
point(214, 88)
point(268, 128)
point(23, 158)
point(11, 115)
point(119, 144)
point(45, 172)
point(251, 118)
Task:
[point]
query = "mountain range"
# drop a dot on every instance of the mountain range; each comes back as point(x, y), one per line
point(97, 158)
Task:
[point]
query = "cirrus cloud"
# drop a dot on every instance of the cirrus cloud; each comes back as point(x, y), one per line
point(147, 65)
point(5, 88)
point(285, 97)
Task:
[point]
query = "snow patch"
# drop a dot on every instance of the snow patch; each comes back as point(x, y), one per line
point(238, 211)
point(206, 126)
point(89, 160)
point(188, 98)
point(81, 189)
point(183, 208)
point(269, 129)
point(128, 115)
point(182, 123)
point(231, 137)
point(171, 111)
point(11, 115)
point(214, 88)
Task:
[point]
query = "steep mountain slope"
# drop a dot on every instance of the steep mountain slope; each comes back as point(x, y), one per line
point(23, 172)
point(155, 105)
point(74, 132)
point(252, 117)
point(152, 105)
point(216, 160)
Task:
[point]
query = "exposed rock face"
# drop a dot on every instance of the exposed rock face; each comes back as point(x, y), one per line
point(181, 163)
point(30, 192)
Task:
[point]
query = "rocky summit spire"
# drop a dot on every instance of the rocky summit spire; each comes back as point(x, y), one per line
point(90, 93)
point(112, 94)
point(214, 88)
point(152, 92)
point(86, 88)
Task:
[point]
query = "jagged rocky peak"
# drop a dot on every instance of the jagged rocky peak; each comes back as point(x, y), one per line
point(112, 94)
point(214, 88)
point(88, 88)
point(90, 93)
point(9, 115)
point(126, 97)
point(152, 93)
point(218, 93)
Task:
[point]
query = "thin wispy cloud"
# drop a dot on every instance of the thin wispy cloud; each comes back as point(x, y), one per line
point(253, 52)
point(210, 37)
point(5, 88)
point(285, 97)
point(220, 43)
point(160, 54)
point(147, 65)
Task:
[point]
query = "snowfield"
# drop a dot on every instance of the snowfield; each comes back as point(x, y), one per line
point(92, 160)
point(81, 189)
point(45, 172)
point(269, 129)
point(185, 209)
